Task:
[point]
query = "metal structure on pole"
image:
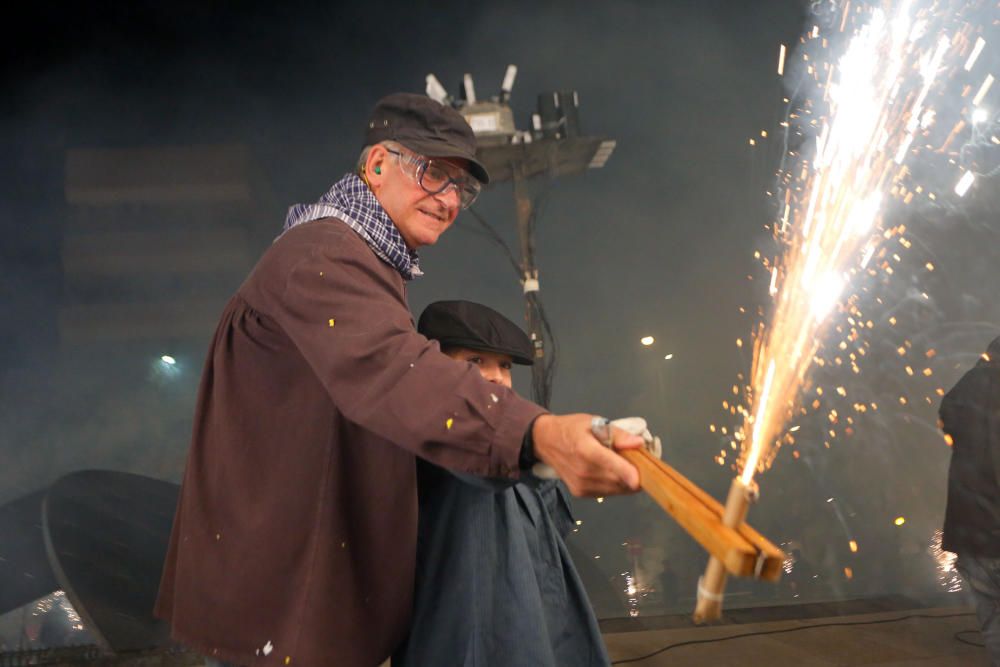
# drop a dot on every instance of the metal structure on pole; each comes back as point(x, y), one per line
point(553, 147)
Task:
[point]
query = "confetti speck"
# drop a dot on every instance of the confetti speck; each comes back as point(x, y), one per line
point(332, 321)
point(449, 422)
point(268, 647)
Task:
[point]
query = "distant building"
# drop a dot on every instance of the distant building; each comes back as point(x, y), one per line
point(156, 240)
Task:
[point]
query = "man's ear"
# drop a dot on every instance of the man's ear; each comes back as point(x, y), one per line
point(374, 166)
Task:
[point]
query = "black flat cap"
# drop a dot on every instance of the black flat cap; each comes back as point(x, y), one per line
point(426, 127)
point(477, 327)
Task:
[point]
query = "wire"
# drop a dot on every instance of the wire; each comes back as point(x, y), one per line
point(784, 630)
point(542, 384)
point(966, 641)
point(494, 236)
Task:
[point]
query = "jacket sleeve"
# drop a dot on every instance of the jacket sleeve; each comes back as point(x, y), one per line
point(348, 317)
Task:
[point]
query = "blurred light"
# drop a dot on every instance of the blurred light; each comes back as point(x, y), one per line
point(979, 115)
point(647, 340)
point(983, 89)
point(788, 564)
point(669, 357)
point(948, 576)
point(164, 368)
point(976, 50)
point(600, 500)
point(964, 183)
point(854, 546)
point(579, 522)
point(864, 214)
point(899, 521)
point(825, 294)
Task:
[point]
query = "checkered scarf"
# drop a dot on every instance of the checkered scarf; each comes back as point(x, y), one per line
point(353, 202)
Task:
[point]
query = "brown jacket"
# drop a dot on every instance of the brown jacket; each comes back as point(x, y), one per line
point(295, 533)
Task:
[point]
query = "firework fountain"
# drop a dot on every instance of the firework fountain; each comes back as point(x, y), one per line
point(881, 113)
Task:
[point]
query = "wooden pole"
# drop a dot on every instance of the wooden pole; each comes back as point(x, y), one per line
point(524, 205)
point(713, 582)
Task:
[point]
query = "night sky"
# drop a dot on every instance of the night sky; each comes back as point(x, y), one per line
point(659, 242)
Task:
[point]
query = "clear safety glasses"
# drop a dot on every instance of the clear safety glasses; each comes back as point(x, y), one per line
point(435, 176)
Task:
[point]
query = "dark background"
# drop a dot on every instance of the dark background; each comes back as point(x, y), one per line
point(659, 242)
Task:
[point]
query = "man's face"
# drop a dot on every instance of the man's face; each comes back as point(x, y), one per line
point(419, 216)
point(492, 366)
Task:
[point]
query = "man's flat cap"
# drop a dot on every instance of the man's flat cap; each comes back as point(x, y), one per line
point(477, 327)
point(426, 127)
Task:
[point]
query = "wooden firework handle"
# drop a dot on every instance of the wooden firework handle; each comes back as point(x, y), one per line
point(742, 551)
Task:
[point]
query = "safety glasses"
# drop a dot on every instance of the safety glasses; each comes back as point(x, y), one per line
point(435, 177)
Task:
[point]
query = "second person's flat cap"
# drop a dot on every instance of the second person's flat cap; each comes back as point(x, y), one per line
point(476, 327)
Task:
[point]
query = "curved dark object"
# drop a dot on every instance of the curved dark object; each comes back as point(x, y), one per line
point(106, 535)
point(25, 574)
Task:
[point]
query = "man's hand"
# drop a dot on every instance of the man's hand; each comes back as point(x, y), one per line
point(586, 466)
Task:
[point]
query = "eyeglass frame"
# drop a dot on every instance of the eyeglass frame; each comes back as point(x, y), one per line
point(421, 163)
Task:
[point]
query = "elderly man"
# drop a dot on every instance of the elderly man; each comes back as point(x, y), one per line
point(970, 415)
point(294, 539)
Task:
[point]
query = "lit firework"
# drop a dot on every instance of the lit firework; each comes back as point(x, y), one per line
point(885, 109)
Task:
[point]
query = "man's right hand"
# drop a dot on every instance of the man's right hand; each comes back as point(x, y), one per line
point(588, 468)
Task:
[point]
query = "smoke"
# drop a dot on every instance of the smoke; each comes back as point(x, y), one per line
point(659, 242)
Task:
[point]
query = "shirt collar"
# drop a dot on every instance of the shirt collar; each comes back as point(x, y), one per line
point(351, 200)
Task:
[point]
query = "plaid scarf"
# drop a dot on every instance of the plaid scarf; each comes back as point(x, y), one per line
point(353, 202)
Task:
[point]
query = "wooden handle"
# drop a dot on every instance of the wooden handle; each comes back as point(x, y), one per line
point(742, 551)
